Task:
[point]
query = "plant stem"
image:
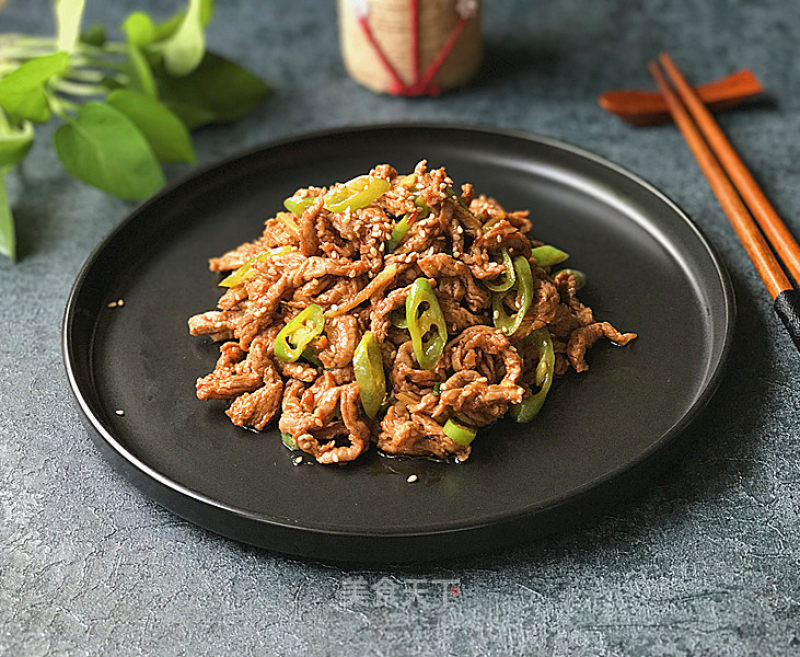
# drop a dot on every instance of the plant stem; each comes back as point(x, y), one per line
point(61, 106)
point(80, 89)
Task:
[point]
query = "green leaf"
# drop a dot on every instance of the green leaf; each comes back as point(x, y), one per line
point(22, 92)
point(8, 243)
point(183, 51)
point(104, 148)
point(69, 14)
point(14, 144)
point(139, 29)
point(95, 35)
point(165, 133)
point(167, 28)
point(141, 74)
point(217, 91)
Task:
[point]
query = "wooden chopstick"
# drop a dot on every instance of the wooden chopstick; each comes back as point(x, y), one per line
point(776, 231)
point(751, 238)
point(786, 298)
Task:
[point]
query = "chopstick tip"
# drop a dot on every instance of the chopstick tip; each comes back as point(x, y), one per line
point(664, 58)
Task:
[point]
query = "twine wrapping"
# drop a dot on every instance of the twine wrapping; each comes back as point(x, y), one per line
point(410, 47)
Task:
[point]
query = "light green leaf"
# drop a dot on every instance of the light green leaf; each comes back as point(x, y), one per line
point(164, 131)
point(167, 28)
point(8, 243)
point(22, 92)
point(139, 28)
point(217, 91)
point(183, 51)
point(69, 14)
point(141, 73)
point(104, 148)
point(14, 144)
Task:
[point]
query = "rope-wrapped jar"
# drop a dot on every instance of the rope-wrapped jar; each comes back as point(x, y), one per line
point(410, 47)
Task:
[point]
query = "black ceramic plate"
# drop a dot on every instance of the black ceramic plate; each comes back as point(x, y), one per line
point(650, 271)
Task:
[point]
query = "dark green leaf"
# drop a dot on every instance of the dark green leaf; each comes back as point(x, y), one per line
point(104, 148)
point(141, 74)
point(183, 51)
point(14, 144)
point(217, 91)
point(95, 35)
point(22, 92)
point(139, 29)
point(8, 245)
point(165, 133)
point(167, 28)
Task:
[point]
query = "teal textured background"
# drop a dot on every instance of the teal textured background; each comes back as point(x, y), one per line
point(706, 562)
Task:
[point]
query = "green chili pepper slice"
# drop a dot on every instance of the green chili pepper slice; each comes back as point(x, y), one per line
point(289, 441)
point(293, 338)
point(545, 370)
point(452, 193)
point(424, 209)
point(398, 319)
point(580, 277)
point(524, 294)
point(547, 256)
point(246, 270)
point(424, 316)
point(458, 433)
point(400, 230)
point(368, 367)
point(311, 357)
point(297, 205)
point(356, 193)
point(509, 277)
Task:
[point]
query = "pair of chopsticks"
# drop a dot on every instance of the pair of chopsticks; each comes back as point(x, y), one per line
point(734, 185)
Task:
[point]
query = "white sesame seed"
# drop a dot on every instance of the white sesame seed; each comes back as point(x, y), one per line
point(120, 302)
point(459, 230)
point(297, 460)
point(412, 478)
point(120, 412)
point(113, 304)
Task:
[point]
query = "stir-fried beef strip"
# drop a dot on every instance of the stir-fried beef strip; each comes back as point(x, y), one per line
point(349, 264)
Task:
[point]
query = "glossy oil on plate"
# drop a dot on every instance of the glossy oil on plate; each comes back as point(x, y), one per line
point(650, 271)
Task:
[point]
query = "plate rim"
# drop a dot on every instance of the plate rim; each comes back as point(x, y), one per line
point(713, 375)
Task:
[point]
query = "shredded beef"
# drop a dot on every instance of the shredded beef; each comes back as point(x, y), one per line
point(343, 263)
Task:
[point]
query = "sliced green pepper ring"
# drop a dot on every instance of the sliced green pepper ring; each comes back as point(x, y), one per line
point(311, 357)
point(297, 205)
point(398, 319)
point(293, 338)
point(545, 372)
point(547, 256)
point(289, 441)
point(458, 433)
point(509, 277)
point(368, 367)
point(246, 270)
point(400, 230)
point(356, 193)
point(524, 289)
point(580, 277)
point(424, 209)
point(424, 316)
